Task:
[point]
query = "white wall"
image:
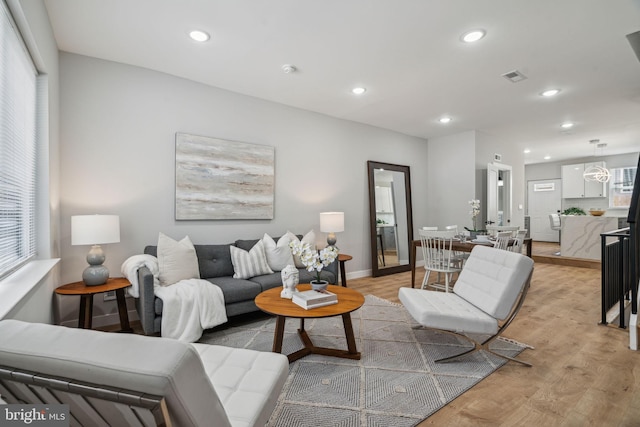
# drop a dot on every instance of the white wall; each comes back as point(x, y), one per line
point(486, 146)
point(451, 181)
point(118, 128)
point(457, 171)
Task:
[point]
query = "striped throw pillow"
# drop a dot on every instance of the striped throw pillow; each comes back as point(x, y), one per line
point(249, 264)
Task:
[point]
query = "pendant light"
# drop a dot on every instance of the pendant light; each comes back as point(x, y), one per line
point(596, 172)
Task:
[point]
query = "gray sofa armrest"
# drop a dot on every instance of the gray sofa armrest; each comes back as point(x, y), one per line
point(145, 304)
point(333, 267)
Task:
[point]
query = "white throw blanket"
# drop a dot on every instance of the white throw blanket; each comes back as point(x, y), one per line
point(189, 307)
point(130, 270)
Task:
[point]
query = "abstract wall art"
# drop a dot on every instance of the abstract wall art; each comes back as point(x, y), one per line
point(221, 179)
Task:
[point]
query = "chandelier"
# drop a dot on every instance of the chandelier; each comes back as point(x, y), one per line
point(596, 172)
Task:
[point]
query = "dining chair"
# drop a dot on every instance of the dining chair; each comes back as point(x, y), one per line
point(495, 229)
point(517, 246)
point(438, 257)
point(502, 240)
point(459, 256)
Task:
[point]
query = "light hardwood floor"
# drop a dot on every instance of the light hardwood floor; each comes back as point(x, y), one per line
point(583, 374)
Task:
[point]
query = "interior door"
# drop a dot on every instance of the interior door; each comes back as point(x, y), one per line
point(498, 194)
point(544, 197)
point(492, 195)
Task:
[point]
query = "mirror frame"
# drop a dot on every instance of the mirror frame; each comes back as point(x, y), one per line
point(371, 166)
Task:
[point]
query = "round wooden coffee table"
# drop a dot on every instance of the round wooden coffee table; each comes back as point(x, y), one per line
point(348, 300)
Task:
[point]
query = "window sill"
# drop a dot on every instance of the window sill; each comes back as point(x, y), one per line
point(19, 284)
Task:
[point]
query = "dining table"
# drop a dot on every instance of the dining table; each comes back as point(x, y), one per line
point(466, 246)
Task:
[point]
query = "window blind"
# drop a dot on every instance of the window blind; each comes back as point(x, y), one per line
point(18, 84)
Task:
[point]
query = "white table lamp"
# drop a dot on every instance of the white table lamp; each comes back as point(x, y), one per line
point(332, 223)
point(95, 230)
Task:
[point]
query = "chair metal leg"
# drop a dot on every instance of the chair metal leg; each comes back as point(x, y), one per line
point(479, 346)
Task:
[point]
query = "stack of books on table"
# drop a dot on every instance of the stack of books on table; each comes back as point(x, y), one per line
point(313, 299)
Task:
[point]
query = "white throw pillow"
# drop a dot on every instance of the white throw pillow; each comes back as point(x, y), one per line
point(278, 254)
point(249, 264)
point(309, 238)
point(176, 260)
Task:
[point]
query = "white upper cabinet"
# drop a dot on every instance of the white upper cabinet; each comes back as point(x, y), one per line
point(384, 201)
point(574, 185)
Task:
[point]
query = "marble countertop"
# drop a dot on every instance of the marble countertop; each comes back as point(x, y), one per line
point(580, 235)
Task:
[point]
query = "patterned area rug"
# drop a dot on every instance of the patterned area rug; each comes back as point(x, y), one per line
point(396, 383)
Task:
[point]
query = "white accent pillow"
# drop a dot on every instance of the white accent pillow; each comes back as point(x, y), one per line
point(176, 260)
point(249, 264)
point(309, 238)
point(278, 254)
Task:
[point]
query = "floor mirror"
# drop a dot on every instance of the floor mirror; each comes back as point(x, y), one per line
point(390, 218)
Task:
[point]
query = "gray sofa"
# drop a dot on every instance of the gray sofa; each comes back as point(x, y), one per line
point(215, 266)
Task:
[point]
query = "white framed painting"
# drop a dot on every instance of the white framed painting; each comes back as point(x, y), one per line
point(221, 179)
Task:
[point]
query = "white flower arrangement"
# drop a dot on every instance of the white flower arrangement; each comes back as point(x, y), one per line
point(312, 259)
point(475, 211)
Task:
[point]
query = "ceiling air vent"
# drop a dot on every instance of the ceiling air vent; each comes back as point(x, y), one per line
point(514, 76)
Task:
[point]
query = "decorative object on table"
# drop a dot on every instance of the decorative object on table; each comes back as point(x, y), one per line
point(290, 279)
point(244, 191)
point(95, 230)
point(314, 260)
point(332, 223)
point(475, 211)
point(597, 212)
point(314, 299)
point(573, 211)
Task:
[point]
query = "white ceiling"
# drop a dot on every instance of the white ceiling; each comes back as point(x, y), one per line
point(407, 53)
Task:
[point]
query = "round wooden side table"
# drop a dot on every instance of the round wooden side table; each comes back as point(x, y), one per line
point(342, 258)
point(86, 293)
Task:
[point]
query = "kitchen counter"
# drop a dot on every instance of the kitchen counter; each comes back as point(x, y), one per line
point(580, 235)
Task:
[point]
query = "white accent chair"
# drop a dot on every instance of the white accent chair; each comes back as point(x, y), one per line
point(133, 380)
point(488, 295)
point(439, 257)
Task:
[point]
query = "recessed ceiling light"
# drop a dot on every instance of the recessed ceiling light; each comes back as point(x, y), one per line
point(473, 36)
point(199, 36)
point(358, 90)
point(527, 151)
point(547, 157)
point(567, 125)
point(288, 68)
point(550, 92)
point(445, 120)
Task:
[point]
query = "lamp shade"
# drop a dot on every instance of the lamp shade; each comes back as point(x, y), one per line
point(332, 222)
point(95, 229)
